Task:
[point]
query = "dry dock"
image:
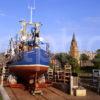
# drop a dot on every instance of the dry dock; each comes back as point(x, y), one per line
point(49, 93)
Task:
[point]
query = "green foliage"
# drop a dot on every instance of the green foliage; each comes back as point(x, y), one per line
point(87, 69)
point(84, 57)
point(96, 60)
point(98, 51)
point(74, 63)
point(64, 58)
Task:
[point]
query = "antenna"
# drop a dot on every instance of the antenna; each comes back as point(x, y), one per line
point(31, 12)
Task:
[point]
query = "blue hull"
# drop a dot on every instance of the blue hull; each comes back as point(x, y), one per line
point(30, 63)
point(35, 56)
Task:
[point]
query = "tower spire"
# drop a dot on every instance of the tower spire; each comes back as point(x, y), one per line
point(73, 39)
point(74, 48)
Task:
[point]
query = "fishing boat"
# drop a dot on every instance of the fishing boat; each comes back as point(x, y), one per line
point(29, 54)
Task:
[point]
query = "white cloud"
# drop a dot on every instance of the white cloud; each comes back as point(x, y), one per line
point(94, 19)
point(2, 13)
point(94, 41)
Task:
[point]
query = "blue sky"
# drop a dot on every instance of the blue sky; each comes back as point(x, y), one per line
point(60, 18)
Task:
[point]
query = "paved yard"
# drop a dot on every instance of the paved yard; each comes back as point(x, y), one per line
point(49, 93)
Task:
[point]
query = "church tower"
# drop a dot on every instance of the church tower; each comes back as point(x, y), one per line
point(74, 48)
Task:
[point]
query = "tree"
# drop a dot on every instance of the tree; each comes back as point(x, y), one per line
point(83, 58)
point(74, 64)
point(98, 51)
point(96, 60)
point(64, 58)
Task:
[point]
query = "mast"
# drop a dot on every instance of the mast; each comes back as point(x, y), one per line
point(24, 24)
point(31, 12)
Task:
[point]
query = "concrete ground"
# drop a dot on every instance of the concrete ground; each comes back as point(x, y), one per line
point(3, 93)
point(49, 93)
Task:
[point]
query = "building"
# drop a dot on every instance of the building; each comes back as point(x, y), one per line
point(74, 52)
point(91, 54)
